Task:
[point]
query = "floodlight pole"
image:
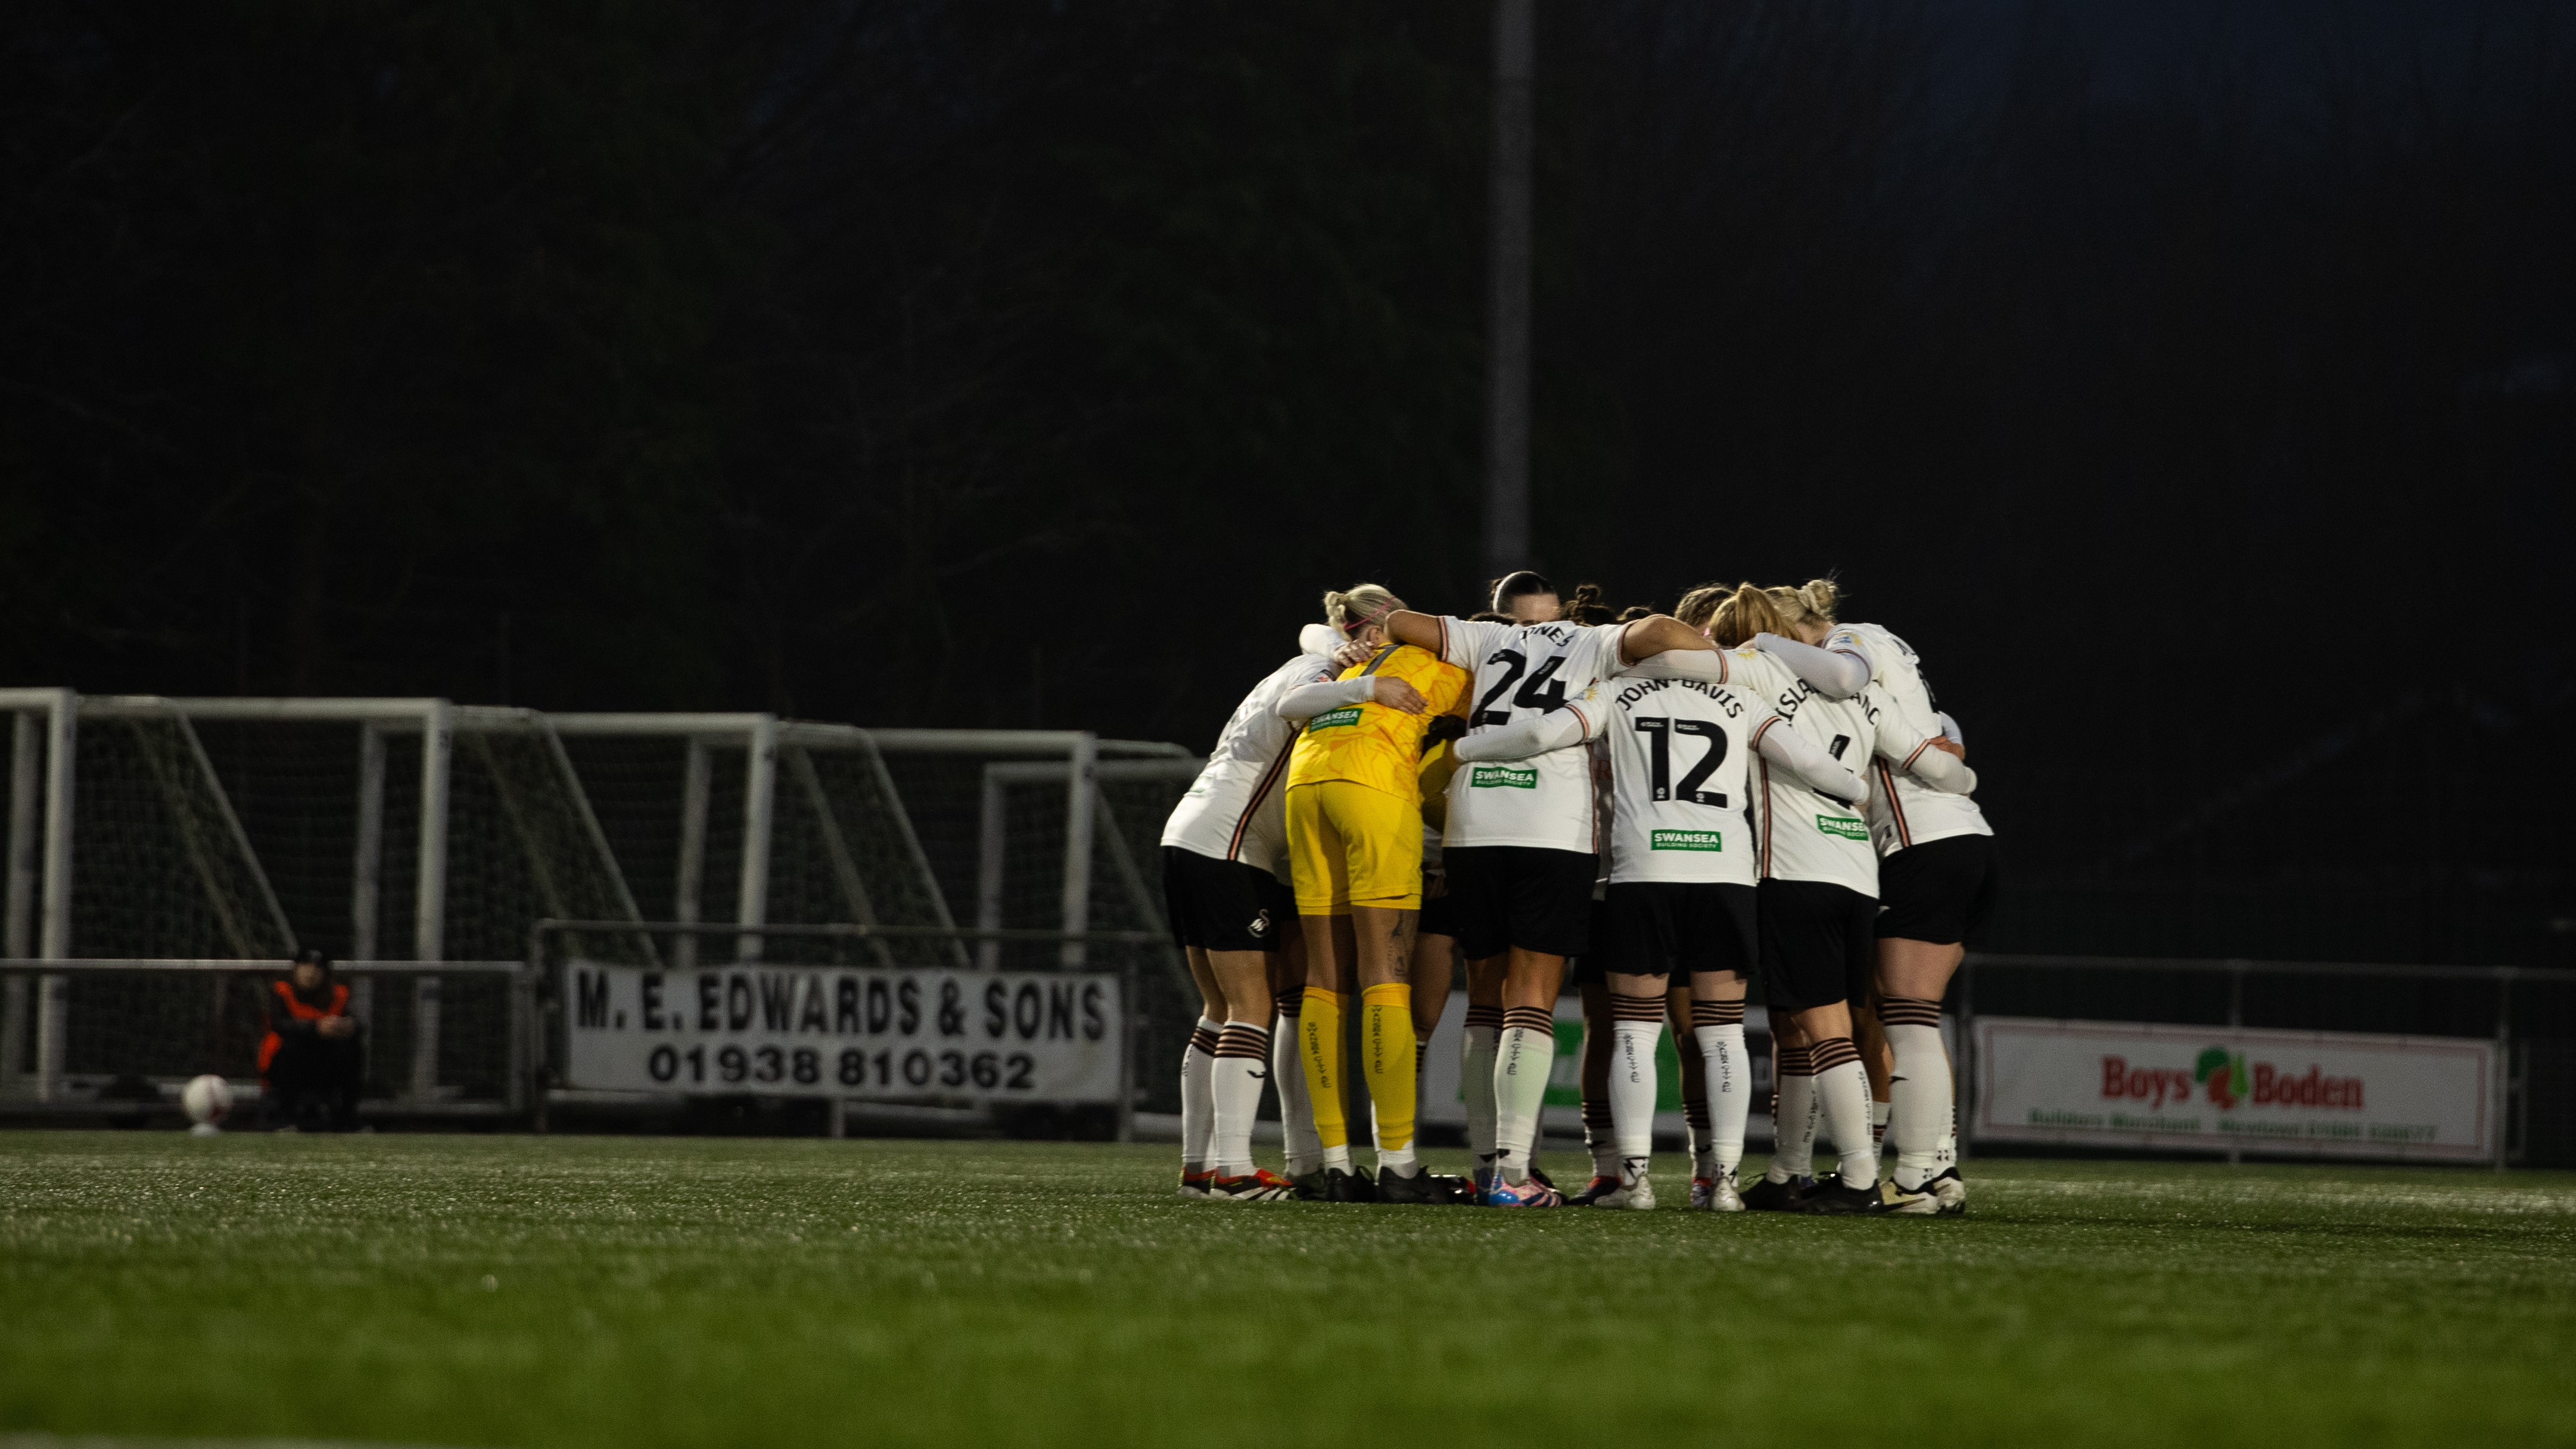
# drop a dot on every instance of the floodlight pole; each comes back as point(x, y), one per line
point(1512, 205)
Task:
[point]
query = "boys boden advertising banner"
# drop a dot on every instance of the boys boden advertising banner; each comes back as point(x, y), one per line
point(800, 1031)
point(2287, 1093)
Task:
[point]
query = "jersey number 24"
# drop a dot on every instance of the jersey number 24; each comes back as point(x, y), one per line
point(1543, 692)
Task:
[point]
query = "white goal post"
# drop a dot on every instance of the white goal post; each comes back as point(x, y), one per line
point(152, 838)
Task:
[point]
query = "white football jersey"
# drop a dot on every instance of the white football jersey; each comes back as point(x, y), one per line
point(1237, 809)
point(1806, 835)
point(1904, 811)
point(1545, 800)
point(1680, 751)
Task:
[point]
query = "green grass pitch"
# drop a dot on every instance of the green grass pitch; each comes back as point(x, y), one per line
point(618, 1291)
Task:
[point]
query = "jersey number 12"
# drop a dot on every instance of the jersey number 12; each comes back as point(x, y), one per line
point(1659, 732)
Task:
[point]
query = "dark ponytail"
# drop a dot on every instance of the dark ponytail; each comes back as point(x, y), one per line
point(1514, 584)
point(1587, 606)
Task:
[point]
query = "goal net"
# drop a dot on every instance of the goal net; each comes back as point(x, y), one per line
point(421, 842)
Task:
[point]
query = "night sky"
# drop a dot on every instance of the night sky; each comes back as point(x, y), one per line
point(2194, 385)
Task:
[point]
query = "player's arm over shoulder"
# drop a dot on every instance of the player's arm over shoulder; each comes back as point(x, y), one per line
point(1457, 641)
point(1869, 646)
point(1442, 684)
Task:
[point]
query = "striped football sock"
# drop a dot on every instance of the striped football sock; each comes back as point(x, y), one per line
point(1234, 1081)
point(1919, 1087)
point(1637, 1024)
point(1793, 1119)
point(1718, 1027)
point(1198, 1109)
point(1523, 1057)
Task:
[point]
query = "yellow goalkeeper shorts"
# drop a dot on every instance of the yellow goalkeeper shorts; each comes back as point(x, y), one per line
point(1350, 845)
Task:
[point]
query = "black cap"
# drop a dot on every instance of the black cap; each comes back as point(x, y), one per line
point(314, 955)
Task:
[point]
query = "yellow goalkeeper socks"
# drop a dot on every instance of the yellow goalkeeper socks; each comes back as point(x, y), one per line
point(1319, 1048)
point(1387, 1058)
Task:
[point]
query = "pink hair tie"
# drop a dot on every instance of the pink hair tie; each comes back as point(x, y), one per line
point(1380, 612)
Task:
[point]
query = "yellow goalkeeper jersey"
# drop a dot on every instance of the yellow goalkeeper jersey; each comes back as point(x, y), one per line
point(1370, 744)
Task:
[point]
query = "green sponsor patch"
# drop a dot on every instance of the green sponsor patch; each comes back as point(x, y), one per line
point(1512, 777)
point(1688, 840)
point(1849, 827)
point(1348, 714)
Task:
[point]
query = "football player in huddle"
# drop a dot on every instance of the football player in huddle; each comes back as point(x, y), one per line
point(1756, 760)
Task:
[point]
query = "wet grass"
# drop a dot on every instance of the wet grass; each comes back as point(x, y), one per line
point(580, 1291)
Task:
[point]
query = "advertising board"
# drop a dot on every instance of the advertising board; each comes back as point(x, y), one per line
point(1039, 1036)
point(2203, 1088)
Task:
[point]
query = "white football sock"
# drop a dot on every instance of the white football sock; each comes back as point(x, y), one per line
point(1730, 1092)
point(1477, 1047)
point(1523, 1057)
point(1296, 1117)
point(1637, 1025)
point(1234, 1082)
point(1878, 1115)
point(1793, 1132)
point(1920, 1086)
point(1842, 1097)
point(1198, 1109)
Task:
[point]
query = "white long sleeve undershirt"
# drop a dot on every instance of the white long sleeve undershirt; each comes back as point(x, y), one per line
point(1706, 665)
point(1782, 745)
point(1942, 771)
point(1835, 675)
point(1529, 735)
point(1309, 700)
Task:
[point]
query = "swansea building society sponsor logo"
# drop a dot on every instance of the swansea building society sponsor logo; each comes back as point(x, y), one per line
point(1849, 827)
point(1348, 714)
point(1508, 777)
point(1688, 840)
point(2223, 1077)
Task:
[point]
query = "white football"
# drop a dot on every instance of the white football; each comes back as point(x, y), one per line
point(208, 1099)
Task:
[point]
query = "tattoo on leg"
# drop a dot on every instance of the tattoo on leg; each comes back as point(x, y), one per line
point(1399, 950)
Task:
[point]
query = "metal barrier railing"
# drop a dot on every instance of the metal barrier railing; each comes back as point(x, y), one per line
point(34, 1072)
point(2528, 1014)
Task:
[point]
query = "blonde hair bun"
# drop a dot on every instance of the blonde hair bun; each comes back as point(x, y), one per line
point(1348, 609)
point(1821, 597)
